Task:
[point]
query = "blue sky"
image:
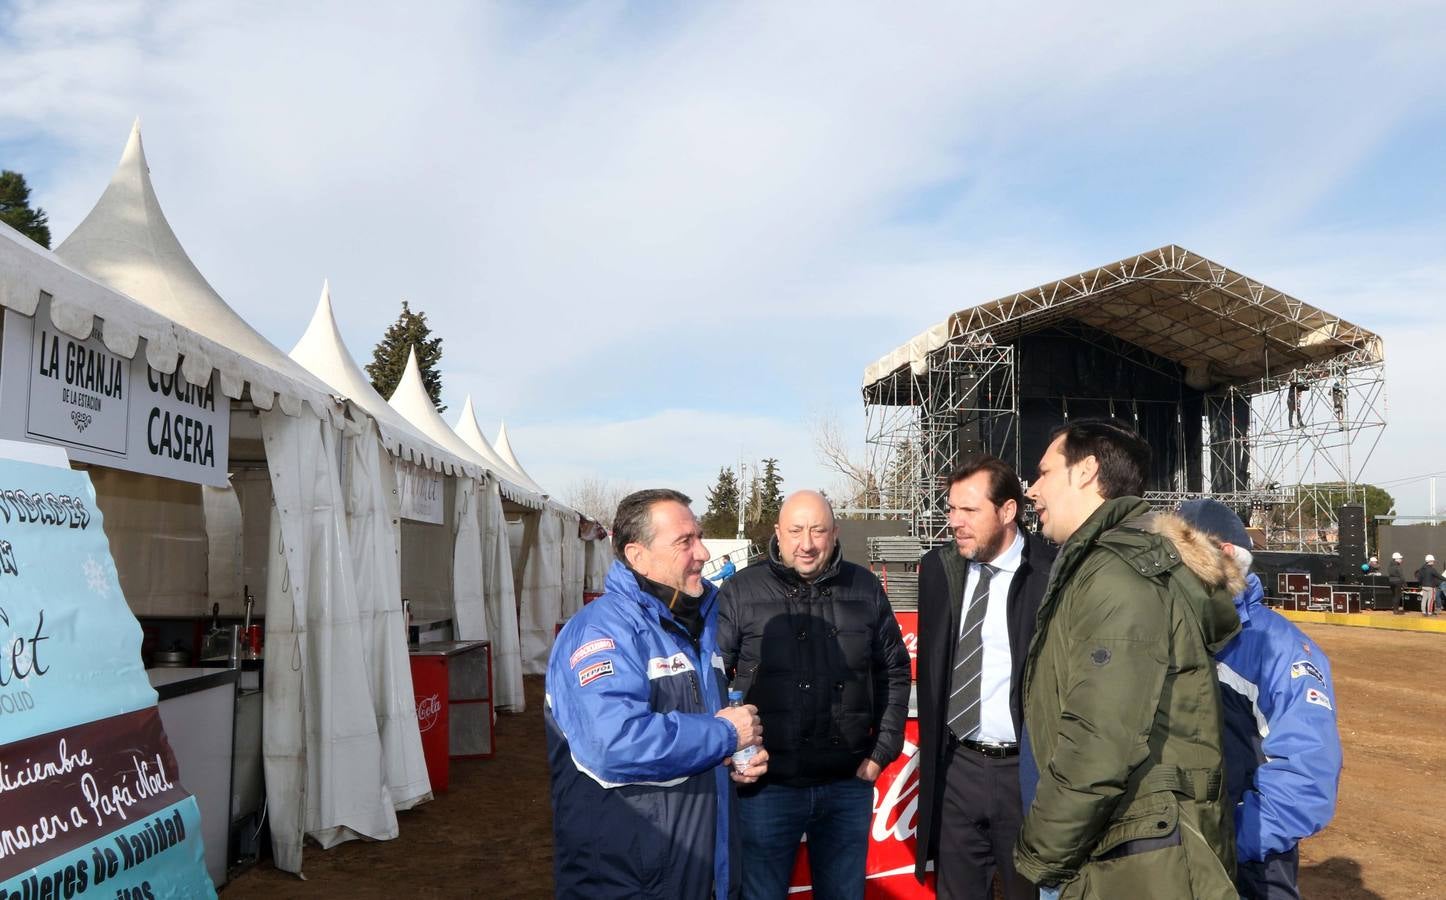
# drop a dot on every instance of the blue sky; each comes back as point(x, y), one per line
point(656, 241)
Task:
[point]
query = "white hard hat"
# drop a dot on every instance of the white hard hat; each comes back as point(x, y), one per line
point(1430, 558)
point(1395, 556)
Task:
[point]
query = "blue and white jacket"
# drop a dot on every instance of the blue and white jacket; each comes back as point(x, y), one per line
point(1282, 749)
point(642, 804)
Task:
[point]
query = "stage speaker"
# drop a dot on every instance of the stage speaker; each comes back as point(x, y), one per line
point(1351, 542)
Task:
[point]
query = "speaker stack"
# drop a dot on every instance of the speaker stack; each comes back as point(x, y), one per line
point(1351, 542)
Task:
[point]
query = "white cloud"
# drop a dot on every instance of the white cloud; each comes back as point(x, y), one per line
point(744, 203)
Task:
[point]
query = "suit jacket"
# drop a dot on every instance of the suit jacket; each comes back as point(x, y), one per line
point(941, 597)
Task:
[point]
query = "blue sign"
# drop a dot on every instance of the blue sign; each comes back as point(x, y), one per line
point(90, 800)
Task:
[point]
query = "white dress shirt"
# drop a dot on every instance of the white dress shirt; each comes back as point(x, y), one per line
point(996, 724)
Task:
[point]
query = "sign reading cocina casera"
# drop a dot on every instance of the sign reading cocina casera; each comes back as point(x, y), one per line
point(107, 409)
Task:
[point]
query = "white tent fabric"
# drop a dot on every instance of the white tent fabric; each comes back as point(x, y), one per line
point(504, 449)
point(28, 270)
point(415, 404)
point(469, 615)
point(540, 588)
point(574, 566)
point(126, 243)
point(501, 602)
point(599, 560)
point(323, 353)
point(372, 524)
point(466, 428)
point(322, 752)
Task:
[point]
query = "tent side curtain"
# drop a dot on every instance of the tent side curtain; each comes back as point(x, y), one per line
point(372, 520)
point(322, 752)
point(538, 570)
point(469, 617)
point(501, 597)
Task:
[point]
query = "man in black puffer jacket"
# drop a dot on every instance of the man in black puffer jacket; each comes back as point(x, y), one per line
point(812, 641)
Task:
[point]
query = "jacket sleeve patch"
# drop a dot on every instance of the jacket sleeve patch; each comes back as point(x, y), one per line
point(1319, 698)
point(1305, 667)
point(595, 671)
point(588, 649)
point(1100, 656)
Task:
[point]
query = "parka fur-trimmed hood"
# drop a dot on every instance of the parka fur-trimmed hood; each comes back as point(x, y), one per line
point(1200, 552)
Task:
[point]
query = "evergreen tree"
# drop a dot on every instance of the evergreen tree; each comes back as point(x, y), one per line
point(389, 359)
point(765, 500)
point(15, 209)
point(721, 519)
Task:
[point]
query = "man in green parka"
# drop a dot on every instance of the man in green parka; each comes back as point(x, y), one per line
point(1121, 705)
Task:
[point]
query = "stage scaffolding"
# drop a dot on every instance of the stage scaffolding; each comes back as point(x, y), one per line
point(1295, 399)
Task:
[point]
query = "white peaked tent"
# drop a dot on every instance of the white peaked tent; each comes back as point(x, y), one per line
point(504, 450)
point(374, 530)
point(574, 548)
point(586, 563)
point(322, 751)
point(476, 559)
point(536, 559)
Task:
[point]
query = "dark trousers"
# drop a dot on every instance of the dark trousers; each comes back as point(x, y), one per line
point(978, 823)
point(1270, 879)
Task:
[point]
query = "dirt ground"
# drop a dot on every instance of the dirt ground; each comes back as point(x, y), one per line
point(490, 834)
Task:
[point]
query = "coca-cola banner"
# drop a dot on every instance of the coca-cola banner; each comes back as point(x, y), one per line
point(892, 834)
point(91, 803)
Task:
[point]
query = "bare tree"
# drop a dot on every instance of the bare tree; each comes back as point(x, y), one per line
point(857, 484)
point(597, 498)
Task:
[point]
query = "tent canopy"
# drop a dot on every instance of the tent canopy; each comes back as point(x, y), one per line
point(1227, 328)
point(504, 450)
point(468, 430)
point(322, 351)
point(415, 405)
point(126, 243)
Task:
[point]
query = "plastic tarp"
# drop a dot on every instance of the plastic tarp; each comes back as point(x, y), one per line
point(372, 525)
point(539, 590)
point(469, 615)
point(322, 753)
point(157, 533)
point(501, 598)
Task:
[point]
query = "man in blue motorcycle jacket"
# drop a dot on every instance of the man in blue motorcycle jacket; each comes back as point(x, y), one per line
point(639, 730)
point(1282, 748)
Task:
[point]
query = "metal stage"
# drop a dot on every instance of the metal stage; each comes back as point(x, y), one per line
point(1246, 394)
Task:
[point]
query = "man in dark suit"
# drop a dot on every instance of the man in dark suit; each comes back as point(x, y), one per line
point(977, 601)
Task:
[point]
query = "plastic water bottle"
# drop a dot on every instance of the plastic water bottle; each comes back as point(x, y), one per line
point(741, 758)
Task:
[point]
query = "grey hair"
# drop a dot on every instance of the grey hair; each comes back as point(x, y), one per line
point(633, 522)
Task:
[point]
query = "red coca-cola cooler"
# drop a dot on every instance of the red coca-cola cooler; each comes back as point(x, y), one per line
point(429, 688)
point(892, 833)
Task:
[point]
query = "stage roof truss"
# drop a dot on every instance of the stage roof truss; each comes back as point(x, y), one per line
point(1310, 386)
point(1172, 302)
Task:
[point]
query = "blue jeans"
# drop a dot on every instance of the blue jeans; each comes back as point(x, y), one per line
point(836, 818)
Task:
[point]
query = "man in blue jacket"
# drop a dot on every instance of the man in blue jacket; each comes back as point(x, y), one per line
point(638, 725)
point(1282, 749)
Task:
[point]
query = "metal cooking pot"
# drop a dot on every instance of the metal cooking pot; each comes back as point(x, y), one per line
point(170, 659)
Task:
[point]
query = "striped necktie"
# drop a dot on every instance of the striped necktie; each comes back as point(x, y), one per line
point(969, 661)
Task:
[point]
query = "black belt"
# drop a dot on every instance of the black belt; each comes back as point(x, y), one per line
point(993, 751)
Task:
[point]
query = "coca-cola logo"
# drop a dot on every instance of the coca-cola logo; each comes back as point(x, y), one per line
point(428, 709)
point(911, 642)
point(896, 799)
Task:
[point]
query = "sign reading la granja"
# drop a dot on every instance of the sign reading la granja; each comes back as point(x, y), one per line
point(107, 409)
